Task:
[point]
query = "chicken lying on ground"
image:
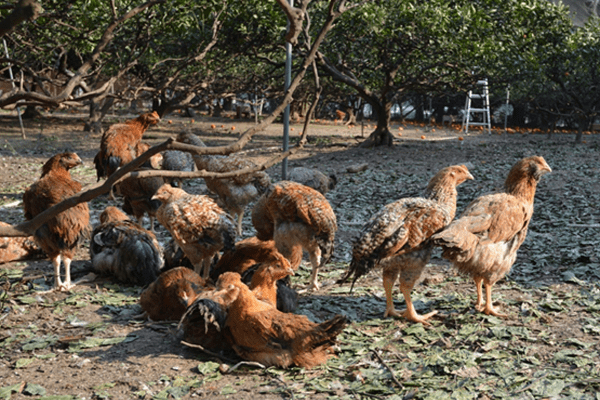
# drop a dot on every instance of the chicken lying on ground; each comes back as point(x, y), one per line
point(137, 192)
point(198, 225)
point(204, 321)
point(295, 215)
point(248, 256)
point(18, 248)
point(235, 193)
point(262, 333)
point(270, 282)
point(397, 238)
point(118, 144)
point(167, 298)
point(60, 236)
point(313, 178)
point(483, 242)
point(124, 250)
point(249, 252)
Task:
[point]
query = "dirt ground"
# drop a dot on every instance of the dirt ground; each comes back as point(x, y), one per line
point(87, 344)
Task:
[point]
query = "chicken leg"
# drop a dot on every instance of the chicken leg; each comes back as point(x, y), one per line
point(487, 307)
point(406, 286)
point(59, 285)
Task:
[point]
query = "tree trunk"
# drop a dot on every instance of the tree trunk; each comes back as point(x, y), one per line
point(30, 113)
point(381, 135)
point(97, 113)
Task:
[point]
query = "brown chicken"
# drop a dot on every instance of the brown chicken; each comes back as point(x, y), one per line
point(262, 333)
point(118, 145)
point(234, 193)
point(483, 242)
point(18, 248)
point(204, 321)
point(198, 225)
point(295, 215)
point(249, 252)
point(267, 282)
point(137, 192)
point(313, 178)
point(167, 298)
point(124, 250)
point(60, 236)
point(397, 238)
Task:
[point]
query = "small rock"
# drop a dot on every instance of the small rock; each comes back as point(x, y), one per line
point(353, 169)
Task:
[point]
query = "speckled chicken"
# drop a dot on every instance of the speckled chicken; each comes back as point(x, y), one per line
point(167, 298)
point(263, 334)
point(198, 225)
point(118, 144)
point(18, 248)
point(483, 242)
point(60, 236)
point(313, 178)
point(137, 192)
point(295, 215)
point(124, 250)
point(397, 238)
point(234, 193)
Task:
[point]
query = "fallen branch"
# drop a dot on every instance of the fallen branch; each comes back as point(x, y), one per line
point(595, 226)
point(396, 381)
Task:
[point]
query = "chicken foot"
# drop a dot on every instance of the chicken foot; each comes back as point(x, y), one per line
point(487, 307)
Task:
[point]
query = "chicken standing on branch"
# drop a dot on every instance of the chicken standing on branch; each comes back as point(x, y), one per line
point(397, 238)
point(118, 145)
point(198, 225)
point(60, 236)
point(123, 249)
point(295, 215)
point(483, 242)
point(137, 192)
point(167, 298)
point(313, 178)
point(262, 333)
point(18, 248)
point(235, 193)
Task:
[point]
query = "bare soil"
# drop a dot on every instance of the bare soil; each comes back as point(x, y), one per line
point(88, 343)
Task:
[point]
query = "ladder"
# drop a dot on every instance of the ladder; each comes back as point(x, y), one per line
point(480, 94)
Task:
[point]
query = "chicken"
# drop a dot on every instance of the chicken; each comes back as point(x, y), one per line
point(270, 282)
point(18, 248)
point(313, 178)
point(237, 192)
point(483, 242)
point(198, 225)
point(137, 192)
point(167, 298)
point(60, 236)
point(124, 250)
point(175, 160)
point(118, 145)
point(204, 321)
point(262, 333)
point(295, 215)
point(397, 238)
point(175, 257)
point(249, 252)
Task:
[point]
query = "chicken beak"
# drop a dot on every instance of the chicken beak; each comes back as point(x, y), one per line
point(290, 271)
point(469, 176)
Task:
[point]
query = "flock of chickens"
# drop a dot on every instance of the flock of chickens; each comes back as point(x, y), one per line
point(236, 296)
